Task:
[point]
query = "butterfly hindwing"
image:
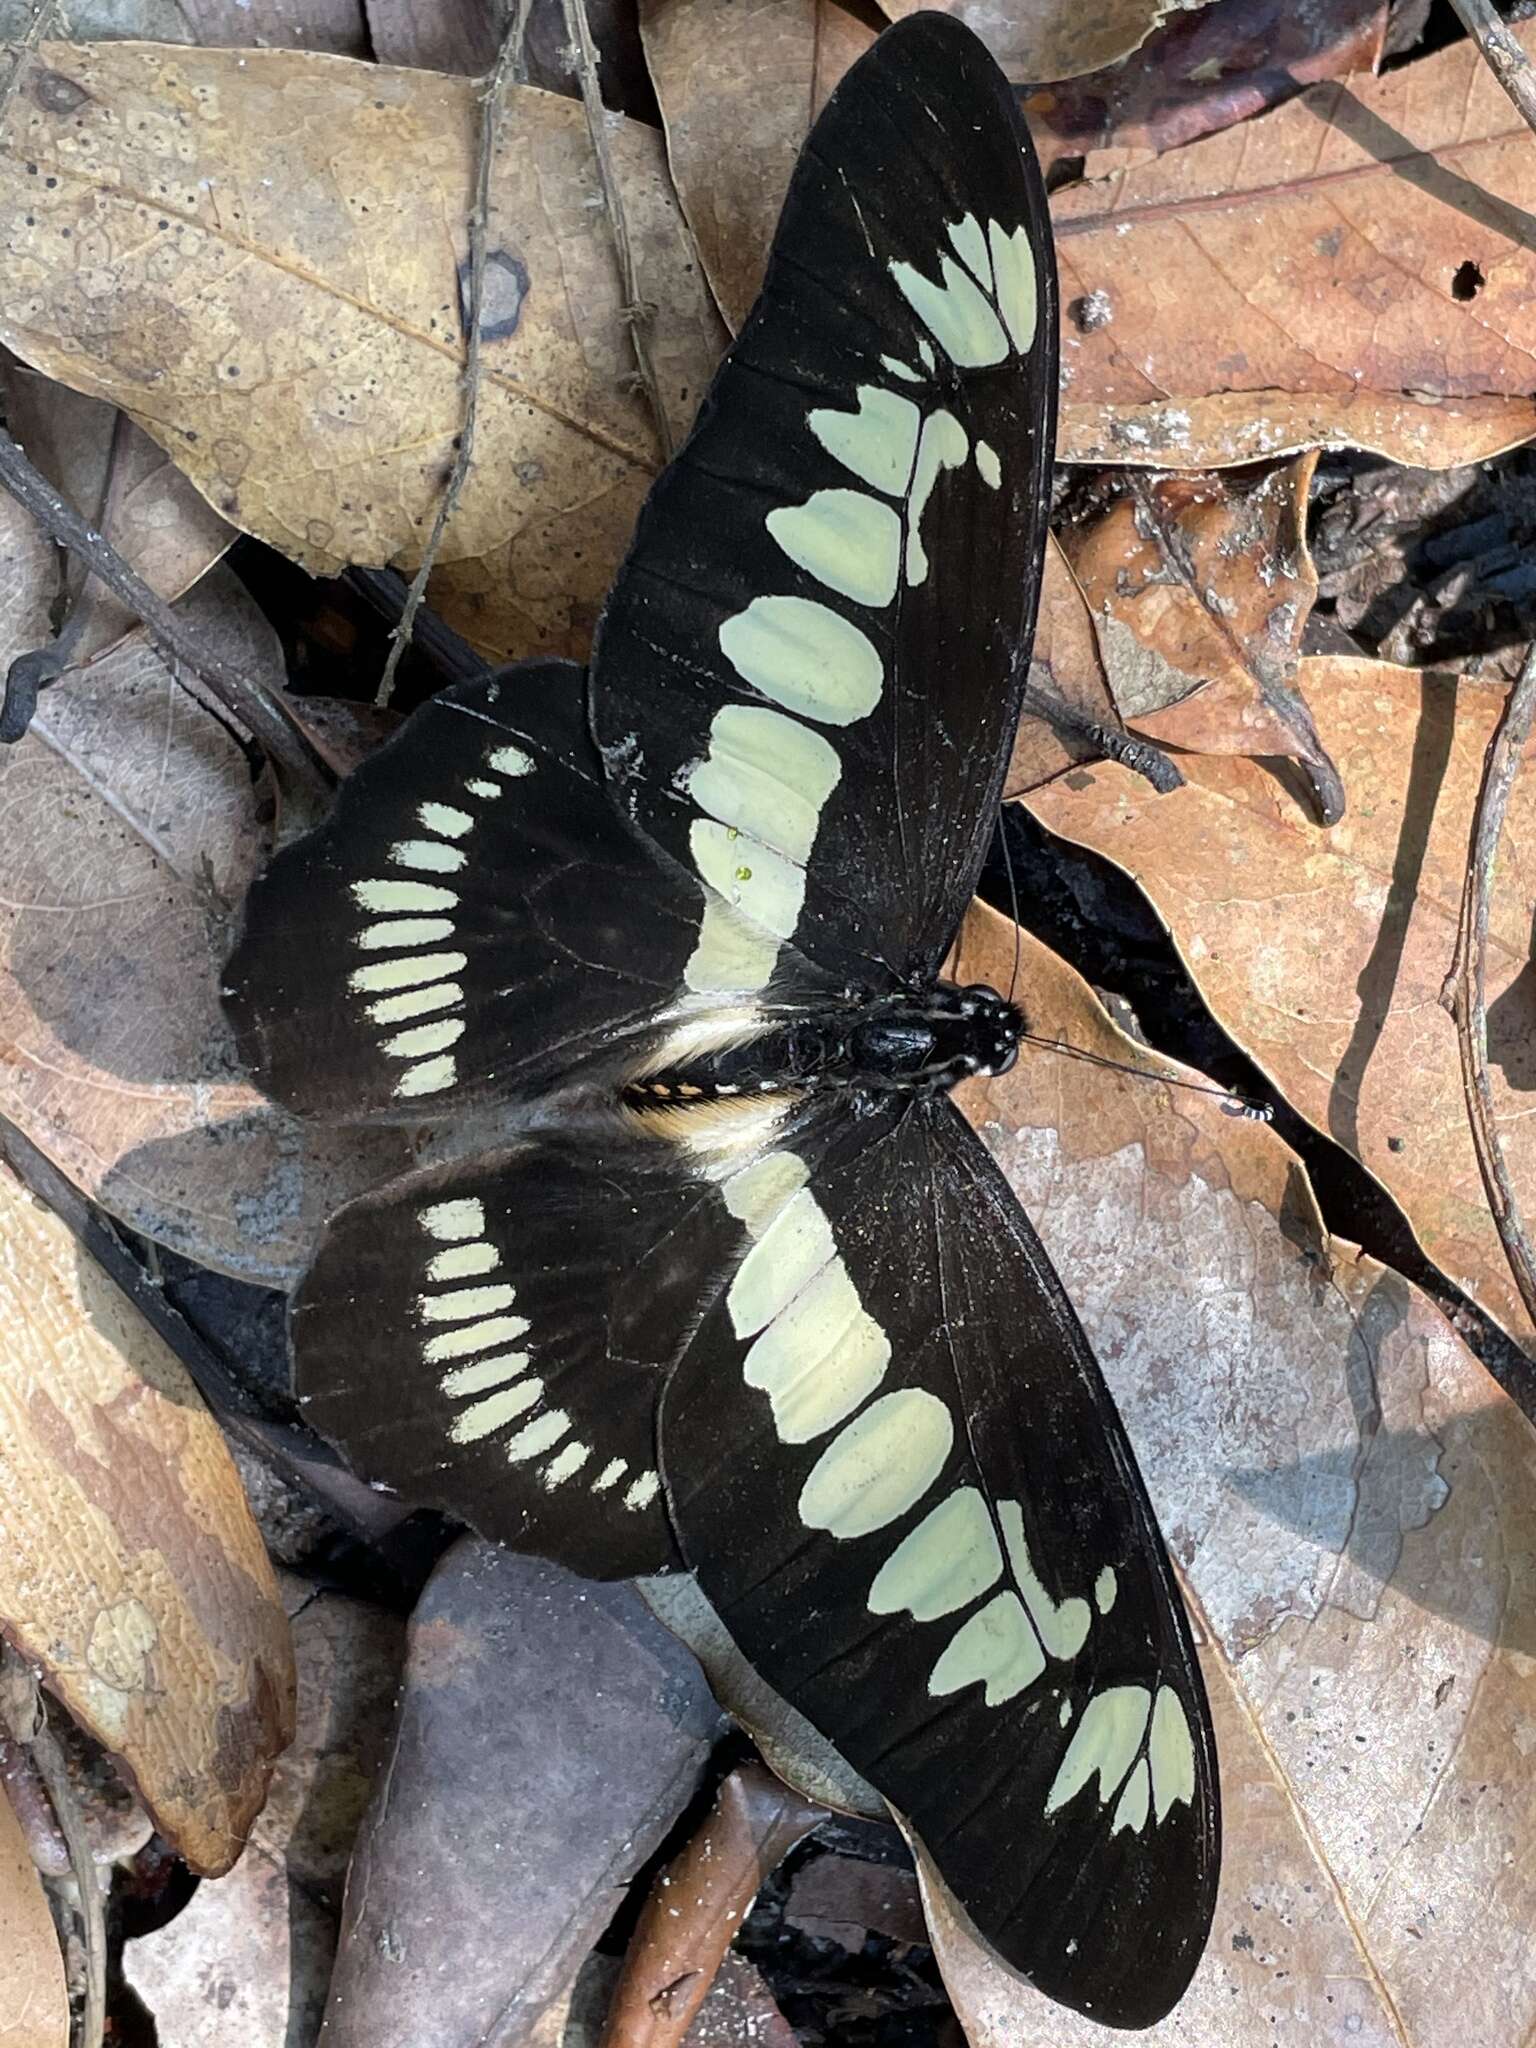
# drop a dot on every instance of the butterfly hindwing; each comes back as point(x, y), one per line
point(809, 670)
point(474, 916)
point(491, 1338)
point(892, 1461)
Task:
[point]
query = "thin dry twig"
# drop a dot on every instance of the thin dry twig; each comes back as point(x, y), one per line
point(1465, 992)
point(583, 56)
point(270, 721)
point(511, 61)
point(1506, 60)
point(21, 1707)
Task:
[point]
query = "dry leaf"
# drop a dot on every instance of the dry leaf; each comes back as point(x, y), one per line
point(34, 2002)
point(841, 1899)
point(739, 89)
point(130, 1568)
point(1037, 40)
point(93, 20)
point(1347, 1494)
point(1199, 73)
point(259, 255)
point(1355, 268)
point(335, 26)
point(550, 1734)
point(698, 1903)
point(127, 488)
point(1069, 693)
point(1323, 954)
point(435, 35)
point(740, 2012)
point(133, 832)
point(1200, 588)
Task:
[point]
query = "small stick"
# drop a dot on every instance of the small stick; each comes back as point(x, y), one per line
point(264, 714)
point(509, 59)
point(583, 52)
point(1465, 993)
point(1505, 58)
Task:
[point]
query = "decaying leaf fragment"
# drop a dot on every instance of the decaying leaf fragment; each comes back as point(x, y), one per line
point(1347, 1495)
point(1324, 953)
point(260, 256)
point(738, 92)
point(133, 830)
point(1200, 587)
point(130, 1568)
point(1036, 40)
point(34, 2001)
point(1352, 269)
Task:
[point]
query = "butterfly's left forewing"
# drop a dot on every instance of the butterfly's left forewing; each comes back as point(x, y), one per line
point(893, 1463)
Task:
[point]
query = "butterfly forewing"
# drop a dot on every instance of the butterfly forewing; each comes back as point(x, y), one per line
point(807, 677)
point(893, 1463)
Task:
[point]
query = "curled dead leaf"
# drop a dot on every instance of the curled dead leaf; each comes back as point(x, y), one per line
point(130, 1568)
point(1324, 955)
point(1200, 587)
point(1037, 40)
point(248, 251)
point(1294, 281)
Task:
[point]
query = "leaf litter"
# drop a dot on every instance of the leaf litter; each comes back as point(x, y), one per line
point(1341, 1485)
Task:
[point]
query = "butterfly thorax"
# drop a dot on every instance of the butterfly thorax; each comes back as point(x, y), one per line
point(913, 1042)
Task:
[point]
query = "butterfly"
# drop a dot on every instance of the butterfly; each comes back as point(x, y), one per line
point(726, 1283)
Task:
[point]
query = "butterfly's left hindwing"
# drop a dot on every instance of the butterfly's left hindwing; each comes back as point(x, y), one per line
point(893, 1463)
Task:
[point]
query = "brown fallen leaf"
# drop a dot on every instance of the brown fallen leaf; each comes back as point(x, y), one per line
point(133, 834)
point(1347, 1494)
point(1350, 269)
point(1069, 693)
point(698, 1903)
point(740, 2011)
point(34, 2001)
point(124, 486)
point(1037, 40)
point(739, 90)
point(1324, 954)
point(335, 26)
point(434, 35)
point(841, 1899)
point(1200, 72)
point(130, 1568)
point(259, 256)
point(1200, 587)
point(550, 1733)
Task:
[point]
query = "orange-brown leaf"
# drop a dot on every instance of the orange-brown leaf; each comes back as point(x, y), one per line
point(34, 2001)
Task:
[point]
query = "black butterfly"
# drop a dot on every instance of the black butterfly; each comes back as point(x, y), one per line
point(744, 1293)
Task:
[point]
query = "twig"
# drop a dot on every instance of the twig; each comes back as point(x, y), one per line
point(1506, 60)
point(697, 1905)
point(583, 54)
point(263, 714)
point(26, 1720)
point(510, 59)
point(1465, 993)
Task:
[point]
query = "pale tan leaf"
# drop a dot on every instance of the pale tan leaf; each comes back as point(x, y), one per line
point(130, 1568)
point(1037, 40)
point(128, 489)
point(1347, 1495)
point(1303, 278)
point(1323, 954)
point(34, 2003)
point(132, 832)
point(258, 255)
point(739, 89)
point(1200, 588)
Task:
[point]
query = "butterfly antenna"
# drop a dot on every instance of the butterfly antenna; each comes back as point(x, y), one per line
point(1013, 902)
point(1232, 1101)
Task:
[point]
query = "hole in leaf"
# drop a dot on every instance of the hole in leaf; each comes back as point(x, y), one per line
point(1468, 281)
